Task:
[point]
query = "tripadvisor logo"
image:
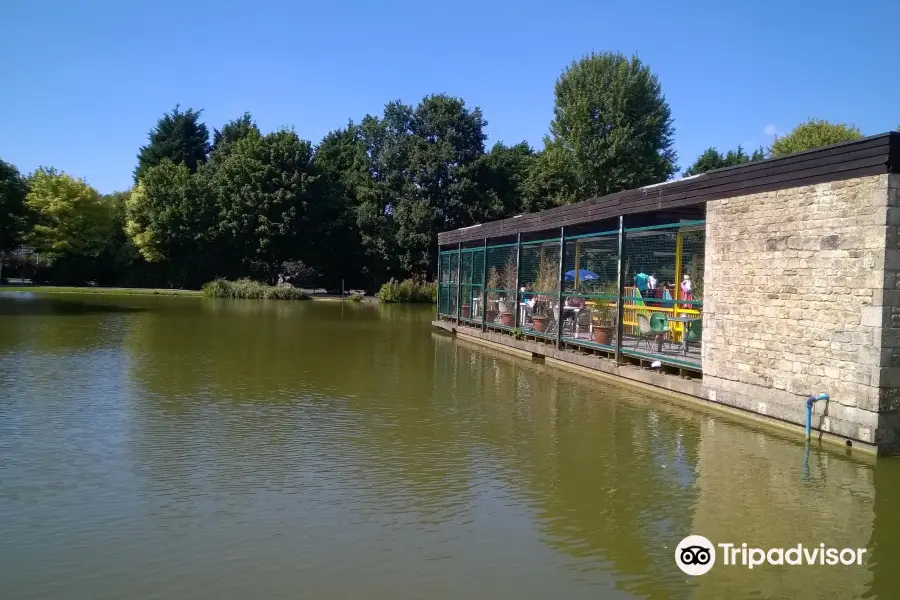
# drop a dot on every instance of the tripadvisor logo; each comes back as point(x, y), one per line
point(696, 555)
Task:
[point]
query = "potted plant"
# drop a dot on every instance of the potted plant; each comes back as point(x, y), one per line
point(508, 278)
point(603, 316)
point(493, 281)
point(547, 281)
point(541, 318)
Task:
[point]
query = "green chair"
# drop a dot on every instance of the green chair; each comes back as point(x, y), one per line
point(694, 334)
point(647, 333)
point(659, 325)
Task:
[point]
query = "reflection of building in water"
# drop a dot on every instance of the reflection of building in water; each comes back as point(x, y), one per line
point(617, 479)
point(751, 490)
point(884, 559)
point(608, 473)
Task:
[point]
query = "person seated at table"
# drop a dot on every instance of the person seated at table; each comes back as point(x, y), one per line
point(574, 302)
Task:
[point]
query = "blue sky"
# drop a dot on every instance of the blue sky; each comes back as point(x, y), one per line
point(85, 81)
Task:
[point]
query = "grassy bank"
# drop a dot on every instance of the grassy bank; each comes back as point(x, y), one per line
point(112, 291)
point(106, 291)
point(251, 290)
point(408, 290)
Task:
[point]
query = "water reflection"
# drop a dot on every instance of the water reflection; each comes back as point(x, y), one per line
point(623, 482)
point(26, 303)
point(234, 449)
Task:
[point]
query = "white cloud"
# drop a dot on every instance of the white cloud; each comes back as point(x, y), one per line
point(770, 130)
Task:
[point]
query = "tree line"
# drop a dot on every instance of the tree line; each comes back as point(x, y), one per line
point(364, 205)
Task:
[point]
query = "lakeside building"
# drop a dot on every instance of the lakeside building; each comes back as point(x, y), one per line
point(760, 285)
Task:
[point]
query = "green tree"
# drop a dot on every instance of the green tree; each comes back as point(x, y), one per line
point(233, 131)
point(179, 136)
point(120, 262)
point(612, 130)
point(550, 180)
point(170, 219)
point(713, 159)
point(13, 191)
point(340, 161)
point(423, 166)
point(386, 150)
point(814, 133)
point(263, 192)
point(70, 216)
point(502, 174)
point(446, 140)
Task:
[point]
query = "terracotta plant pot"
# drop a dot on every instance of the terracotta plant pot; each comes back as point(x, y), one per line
point(491, 316)
point(506, 319)
point(541, 324)
point(603, 335)
point(465, 311)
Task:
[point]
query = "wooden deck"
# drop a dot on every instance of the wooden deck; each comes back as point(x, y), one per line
point(669, 352)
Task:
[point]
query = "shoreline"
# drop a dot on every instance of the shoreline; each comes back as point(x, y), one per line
point(110, 291)
point(120, 291)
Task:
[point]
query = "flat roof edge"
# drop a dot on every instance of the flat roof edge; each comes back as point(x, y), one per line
point(871, 155)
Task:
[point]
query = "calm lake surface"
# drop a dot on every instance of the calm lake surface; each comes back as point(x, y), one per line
point(169, 448)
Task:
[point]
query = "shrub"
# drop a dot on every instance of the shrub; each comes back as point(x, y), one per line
point(408, 290)
point(299, 274)
point(249, 289)
point(356, 297)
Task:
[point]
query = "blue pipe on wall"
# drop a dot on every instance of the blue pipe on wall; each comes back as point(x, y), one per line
point(809, 406)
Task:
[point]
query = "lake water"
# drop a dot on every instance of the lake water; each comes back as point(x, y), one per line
point(170, 448)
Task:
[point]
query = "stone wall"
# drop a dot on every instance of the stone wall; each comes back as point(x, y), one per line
point(802, 296)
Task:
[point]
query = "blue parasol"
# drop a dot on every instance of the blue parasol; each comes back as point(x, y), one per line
point(583, 275)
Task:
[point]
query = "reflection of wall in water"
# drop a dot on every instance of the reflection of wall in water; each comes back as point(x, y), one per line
point(751, 490)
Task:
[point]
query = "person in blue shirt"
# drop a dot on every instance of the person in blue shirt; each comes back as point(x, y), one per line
point(641, 282)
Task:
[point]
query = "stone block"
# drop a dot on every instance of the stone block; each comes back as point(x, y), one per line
point(887, 435)
point(851, 414)
point(890, 338)
point(889, 399)
point(874, 316)
point(886, 297)
point(894, 197)
point(887, 377)
point(893, 181)
point(892, 215)
point(869, 401)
